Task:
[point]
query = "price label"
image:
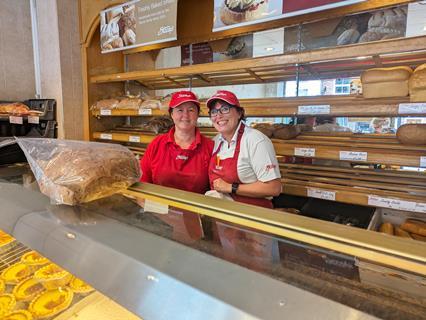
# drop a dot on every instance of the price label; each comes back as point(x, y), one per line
point(423, 161)
point(304, 152)
point(134, 139)
point(145, 112)
point(396, 204)
point(16, 120)
point(316, 109)
point(155, 207)
point(321, 194)
point(106, 136)
point(105, 112)
point(420, 207)
point(33, 119)
point(411, 108)
point(353, 155)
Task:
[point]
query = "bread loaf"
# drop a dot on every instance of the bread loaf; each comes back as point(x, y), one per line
point(412, 134)
point(385, 82)
point(266, 128)
point(402, 233)
point(387, 228)
point(129, 103)
point(285, 132)
point(417, 84)
point(418, 237)
point(414, 226)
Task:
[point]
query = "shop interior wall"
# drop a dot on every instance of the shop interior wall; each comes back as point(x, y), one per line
point(16, 51)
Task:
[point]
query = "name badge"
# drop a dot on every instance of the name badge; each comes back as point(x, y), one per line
point(181, 157)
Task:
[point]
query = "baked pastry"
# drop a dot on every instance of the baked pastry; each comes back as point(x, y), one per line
point(108, 104)
point(7, 303)
point(129, 103)
point(27, 289)
point(6, 241)
point(237, 11)
point(415, 226)
point(52, 276)
point(412, 134)
point(18, 315)
point(51, 302)
point(417, 84)
point(34, 260)
point(79, 286)
point(285, 131)
point(2, 286)
point(266, 128)
point(16, 273)
point(385, 82)
point(14, 108)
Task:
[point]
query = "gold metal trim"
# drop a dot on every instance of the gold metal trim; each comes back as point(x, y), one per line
point(404, 254)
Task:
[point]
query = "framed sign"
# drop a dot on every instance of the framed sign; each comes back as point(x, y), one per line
point(138, 23)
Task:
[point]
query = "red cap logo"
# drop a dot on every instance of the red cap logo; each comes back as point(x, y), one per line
point(181, 97)
point(224, 95)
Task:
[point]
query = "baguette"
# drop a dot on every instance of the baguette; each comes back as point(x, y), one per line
point(415, 226)
point(402, 233)
point(418, 237)
point(387, 228)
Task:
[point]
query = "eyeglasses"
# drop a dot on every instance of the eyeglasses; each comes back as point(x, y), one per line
point(222, 110)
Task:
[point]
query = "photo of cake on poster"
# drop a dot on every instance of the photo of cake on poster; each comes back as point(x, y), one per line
point(235, 13)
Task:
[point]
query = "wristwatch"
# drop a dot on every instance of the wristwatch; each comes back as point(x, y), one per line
point(235, 186)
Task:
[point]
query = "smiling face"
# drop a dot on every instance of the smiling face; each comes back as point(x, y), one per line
point(225, 124)
point(185, 116)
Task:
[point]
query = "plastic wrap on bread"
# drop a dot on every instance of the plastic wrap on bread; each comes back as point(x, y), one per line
point(72, 172)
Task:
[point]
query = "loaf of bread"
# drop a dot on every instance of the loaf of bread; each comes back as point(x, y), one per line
point(14, 108)
point(417, 84)
point(418, 237)
point(285, 131)
point(386, 82)
point(387, 228)
point(414, 226)
point(105, 104)
point(412, 134)
point(402, 233)
point(73, 172)
point(129, 103)
point(266, 128)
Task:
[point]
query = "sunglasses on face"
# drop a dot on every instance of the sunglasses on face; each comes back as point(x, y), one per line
point(221, 110)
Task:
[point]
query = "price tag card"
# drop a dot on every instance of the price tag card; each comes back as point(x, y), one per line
point(145, 112)
point(396, 204)
point(315, 109)
point(106, 136)
point(155, 207)
point(33, 119)
point(16, 120)
point(134, 139)
point(411, 108)
point(105, 112)
point(304, 152)
point(322, 194)
point(423, 161)
point(353, 155)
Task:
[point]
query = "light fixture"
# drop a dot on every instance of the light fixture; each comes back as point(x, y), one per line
point(269, 49)
point(361, 58)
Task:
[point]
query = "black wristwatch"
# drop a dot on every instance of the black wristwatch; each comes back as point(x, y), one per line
point(235, 188)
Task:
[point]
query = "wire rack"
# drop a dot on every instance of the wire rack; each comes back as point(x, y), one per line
point(12, 255)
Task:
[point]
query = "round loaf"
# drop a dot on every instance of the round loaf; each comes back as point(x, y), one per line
point(286, 132)
point(412, 134)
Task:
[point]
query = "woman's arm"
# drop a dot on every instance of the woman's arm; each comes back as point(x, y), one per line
point(256, 189)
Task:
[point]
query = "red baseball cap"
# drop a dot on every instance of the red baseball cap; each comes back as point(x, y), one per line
point(224, 95)
point(181, 97)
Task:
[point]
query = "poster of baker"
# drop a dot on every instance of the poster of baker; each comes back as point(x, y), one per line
point(235, 13)
point(138, 23)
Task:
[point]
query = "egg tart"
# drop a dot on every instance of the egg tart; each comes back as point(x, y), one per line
point(34, 260)
point(52, 276)
point(16, 273)
point(79, 286)
point(2, 286)
point(6, 242)
point(51, 302)
point(7, 303)
point(18, 315)
point(27, 289)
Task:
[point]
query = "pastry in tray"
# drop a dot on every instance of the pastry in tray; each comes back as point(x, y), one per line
point(27, 289)
point(79, 286)
point(34, 260)
point(16, 273)
point(52, 276)
point(51, 302)
point(6, 241)
point(7, 303)
point(18, 315)
point(2, 286)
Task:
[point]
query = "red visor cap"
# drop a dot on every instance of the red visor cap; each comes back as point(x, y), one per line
point(226, 96)
point(181, 97)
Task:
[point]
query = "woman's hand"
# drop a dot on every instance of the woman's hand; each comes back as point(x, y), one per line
point(222, 186)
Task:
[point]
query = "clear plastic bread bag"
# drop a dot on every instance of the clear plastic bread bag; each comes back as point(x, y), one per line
point(73, 172)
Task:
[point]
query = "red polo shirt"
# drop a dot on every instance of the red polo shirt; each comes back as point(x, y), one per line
point(167, 164)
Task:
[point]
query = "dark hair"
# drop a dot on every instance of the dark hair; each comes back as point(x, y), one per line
point(239, 109)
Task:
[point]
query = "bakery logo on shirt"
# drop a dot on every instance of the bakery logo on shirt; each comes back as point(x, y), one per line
point(270, 167)
point(181, 157)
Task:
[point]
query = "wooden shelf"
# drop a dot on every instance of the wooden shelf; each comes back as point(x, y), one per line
point(324, 63)
point(133, 137)
point(353, 106)
point(378, 188)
